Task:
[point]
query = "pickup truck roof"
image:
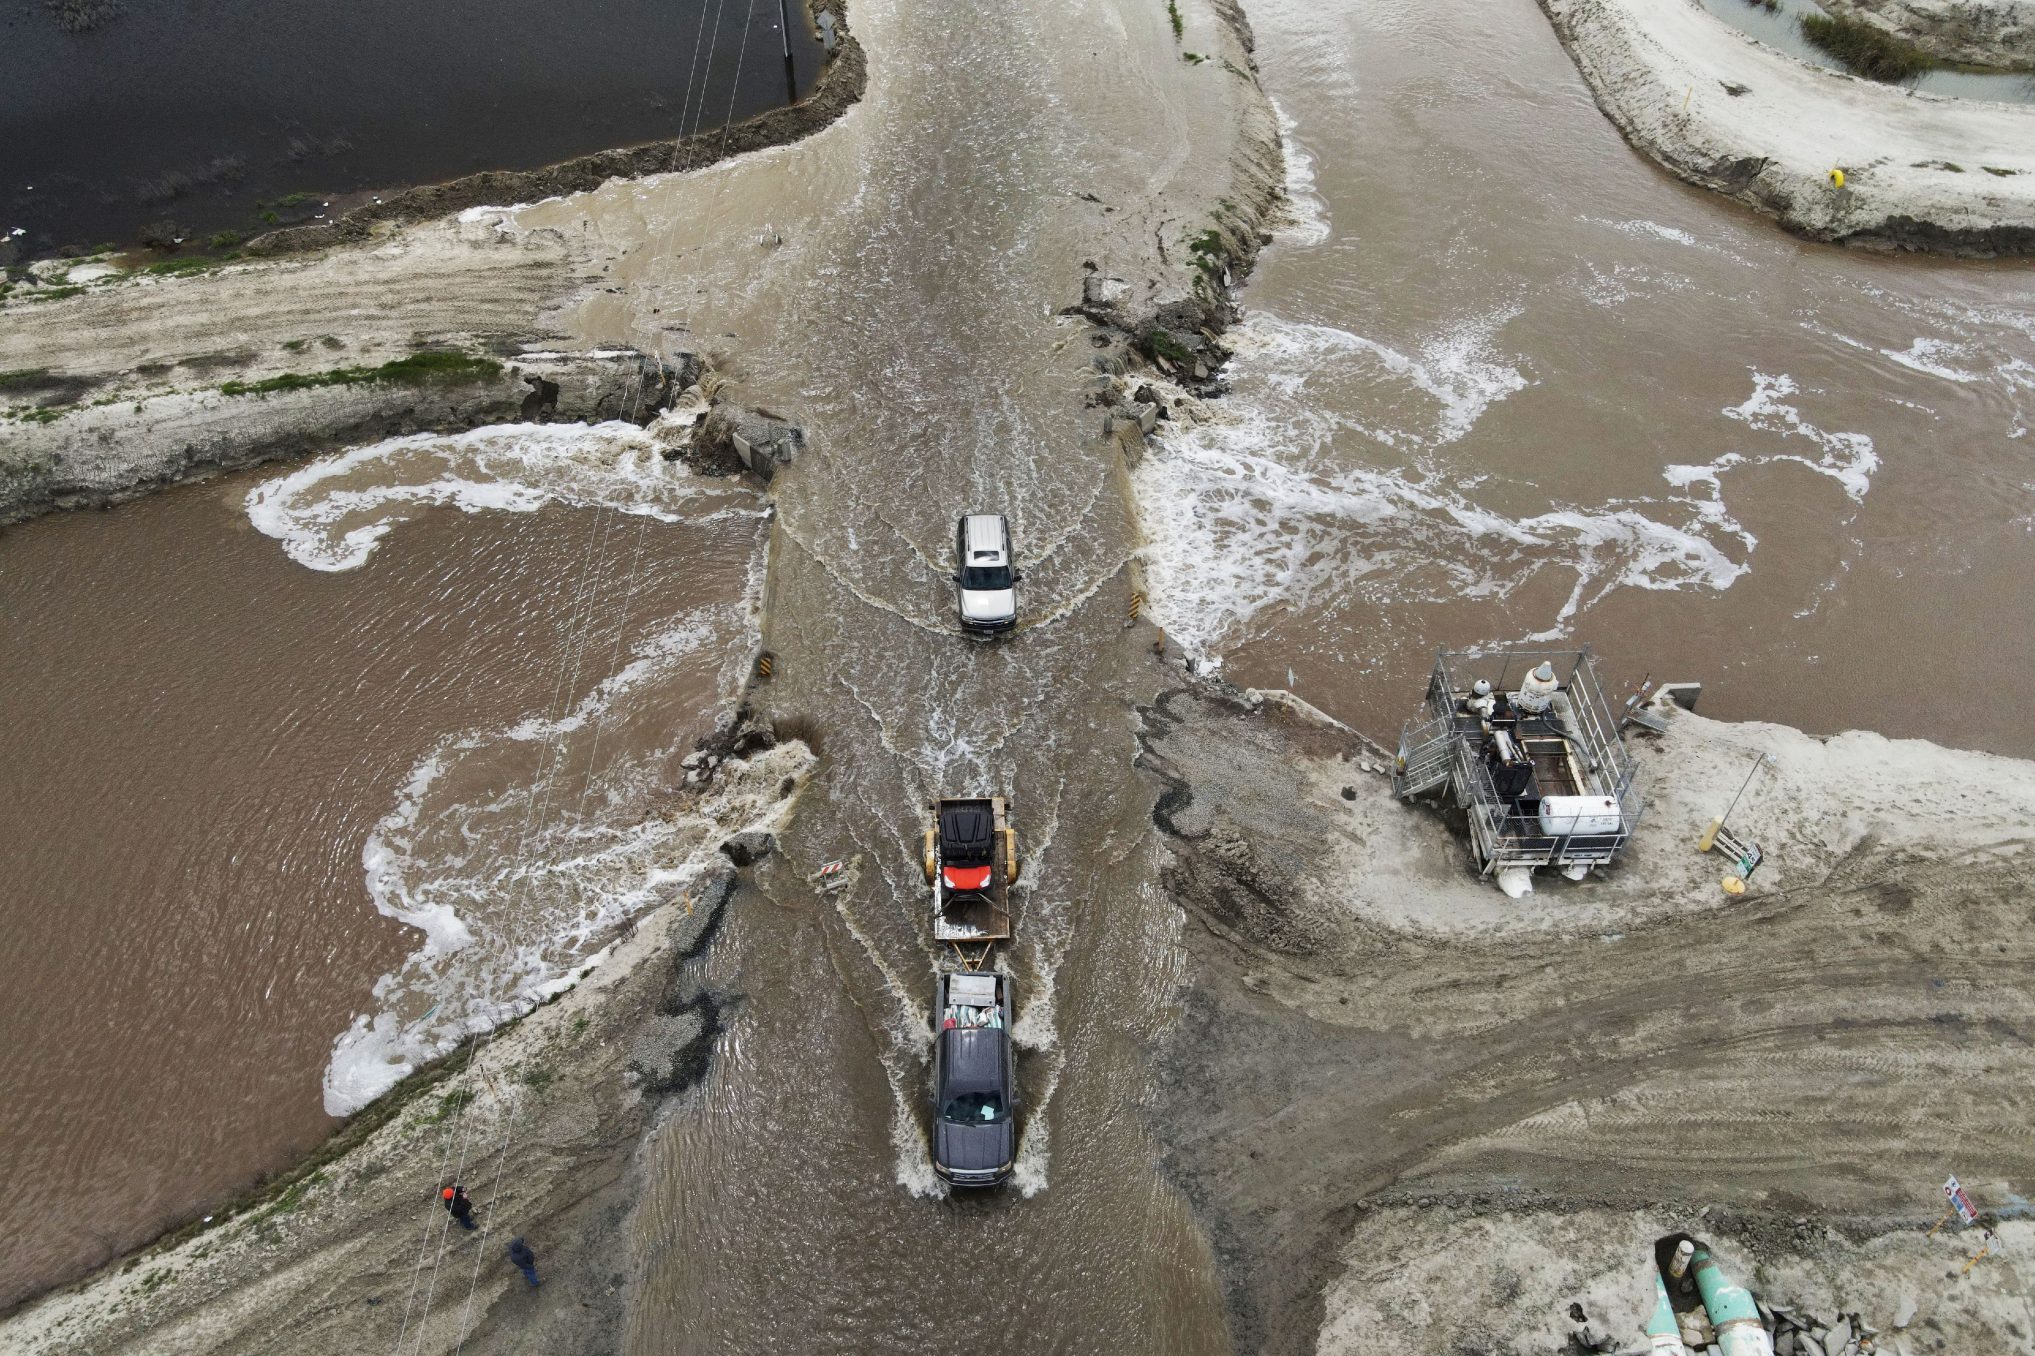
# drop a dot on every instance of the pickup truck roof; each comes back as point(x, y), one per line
point(974, 1060)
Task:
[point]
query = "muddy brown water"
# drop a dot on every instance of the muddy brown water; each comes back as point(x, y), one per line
point(1459, 396)
point(197, 736)
point(1509, 379)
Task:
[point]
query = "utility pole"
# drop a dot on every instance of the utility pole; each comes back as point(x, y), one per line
point(784, 31)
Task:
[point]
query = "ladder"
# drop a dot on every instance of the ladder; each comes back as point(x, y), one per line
point(1426, 757)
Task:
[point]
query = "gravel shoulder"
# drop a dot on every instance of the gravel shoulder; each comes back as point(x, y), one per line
point(1722, 111)
point(1365, 1025)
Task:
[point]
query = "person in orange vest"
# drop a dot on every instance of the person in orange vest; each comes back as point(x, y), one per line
point(458, 1205)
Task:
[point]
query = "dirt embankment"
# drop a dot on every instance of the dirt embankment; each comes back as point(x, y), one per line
point(1998, 34)
point(114, 383)
point(104, 453)
point(1365, 1024)
point(1921, 172)
point(542, 1123)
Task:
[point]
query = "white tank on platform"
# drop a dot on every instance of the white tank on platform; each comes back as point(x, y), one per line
point(1574, 816)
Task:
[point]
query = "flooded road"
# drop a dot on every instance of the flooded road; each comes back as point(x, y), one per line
point(209, 751)
point(1501, 378)
point(928, 242)
point(1506, 379)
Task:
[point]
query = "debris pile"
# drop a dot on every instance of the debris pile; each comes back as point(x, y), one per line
point(1804, 1334)
point(737, 735)
point(1793, 1332)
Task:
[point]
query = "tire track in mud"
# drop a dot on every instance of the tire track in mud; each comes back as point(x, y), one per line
point(444, 281)
point(1827, 1043)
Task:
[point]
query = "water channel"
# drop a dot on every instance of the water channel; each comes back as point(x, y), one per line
point(1507, 379)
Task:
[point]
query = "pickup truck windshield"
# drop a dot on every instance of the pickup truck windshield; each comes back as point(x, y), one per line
point(992, 577)
point(975, 1108)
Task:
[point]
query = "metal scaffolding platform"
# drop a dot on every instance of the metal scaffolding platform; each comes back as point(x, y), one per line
point(1553, 787)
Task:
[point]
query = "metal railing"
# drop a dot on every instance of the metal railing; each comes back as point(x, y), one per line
point(1499, 836)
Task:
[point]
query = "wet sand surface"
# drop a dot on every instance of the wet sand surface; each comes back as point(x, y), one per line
point(1504, 379)
point(199, 738)
point(894, 284)
point(206, 115)
point(1507, 379)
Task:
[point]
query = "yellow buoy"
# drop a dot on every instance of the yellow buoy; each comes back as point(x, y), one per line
point(1733, 885)
point(1837, 178)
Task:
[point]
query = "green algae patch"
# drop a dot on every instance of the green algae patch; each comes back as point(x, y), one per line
point(419, 369)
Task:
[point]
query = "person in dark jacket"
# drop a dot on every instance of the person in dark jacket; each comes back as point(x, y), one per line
point(525, 1260)
point(456, 1202)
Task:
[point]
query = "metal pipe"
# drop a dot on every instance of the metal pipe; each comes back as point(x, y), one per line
point(1732, 1311)
point(1759, 761)
point(1663, 1333)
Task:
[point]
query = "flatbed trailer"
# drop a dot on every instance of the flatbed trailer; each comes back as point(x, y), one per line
point(971, 863)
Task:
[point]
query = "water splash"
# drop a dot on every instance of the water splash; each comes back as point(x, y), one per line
point(331, 513)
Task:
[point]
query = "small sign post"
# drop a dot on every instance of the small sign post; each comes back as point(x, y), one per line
point(1954, 1192)
point(1748, 862)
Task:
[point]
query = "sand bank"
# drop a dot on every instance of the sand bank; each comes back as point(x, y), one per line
point(1365, 1023)
point(1722, 111)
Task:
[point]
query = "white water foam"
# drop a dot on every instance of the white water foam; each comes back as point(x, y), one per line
point(331, 513)
point(1649, 230)
point(1275, 502)
point(1926, 355)
point(1621, 283)
point(1847, 458)
point(1302, 219)
point(1264, 507)
point(518, 851)
point(513, 912)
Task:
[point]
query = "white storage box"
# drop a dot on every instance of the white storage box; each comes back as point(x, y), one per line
point(1578, 816)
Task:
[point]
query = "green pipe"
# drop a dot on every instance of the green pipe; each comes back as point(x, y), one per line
point(1664, 1334)
point(1732, 1311)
